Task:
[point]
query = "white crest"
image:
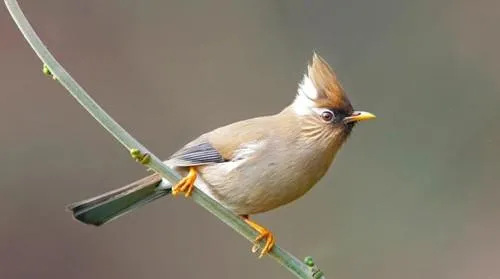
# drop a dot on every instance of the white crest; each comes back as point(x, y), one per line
point(306, 95)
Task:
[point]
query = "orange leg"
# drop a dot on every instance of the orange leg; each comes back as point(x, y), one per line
point(263, 233)
point(186, 184)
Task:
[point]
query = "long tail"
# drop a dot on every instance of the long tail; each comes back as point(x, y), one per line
point(106, 207)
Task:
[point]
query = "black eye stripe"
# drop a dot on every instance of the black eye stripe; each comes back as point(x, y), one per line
point(340, 113)
point(337, 114)
point(332, 115)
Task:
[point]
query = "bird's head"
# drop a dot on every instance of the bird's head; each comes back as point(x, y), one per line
point(322, 105)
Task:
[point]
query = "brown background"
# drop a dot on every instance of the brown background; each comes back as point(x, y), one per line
point(413, 194)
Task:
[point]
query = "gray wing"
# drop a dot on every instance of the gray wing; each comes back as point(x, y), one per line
point(198, 152)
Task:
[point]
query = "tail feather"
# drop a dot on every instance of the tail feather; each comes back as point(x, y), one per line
point(106, 207)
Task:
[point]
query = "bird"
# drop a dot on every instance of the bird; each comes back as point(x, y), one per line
point(250, 166)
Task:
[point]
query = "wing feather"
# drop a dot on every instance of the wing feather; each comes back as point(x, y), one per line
point(198, 152)
point(227, 143)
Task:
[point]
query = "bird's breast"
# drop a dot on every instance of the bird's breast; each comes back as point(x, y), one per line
point(267, 180)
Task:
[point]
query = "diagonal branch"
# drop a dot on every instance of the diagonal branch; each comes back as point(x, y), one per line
point(141, 154)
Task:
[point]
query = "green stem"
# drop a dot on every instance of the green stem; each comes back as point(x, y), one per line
point(52, 67)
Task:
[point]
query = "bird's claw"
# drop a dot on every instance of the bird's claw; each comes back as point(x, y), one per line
point(263, 234)
point(186, 184)
point(267, 246)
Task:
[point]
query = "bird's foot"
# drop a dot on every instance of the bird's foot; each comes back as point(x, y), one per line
point(186, 184)
point(263, 234)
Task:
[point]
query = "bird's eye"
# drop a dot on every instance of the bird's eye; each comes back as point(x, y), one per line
point(327, 115)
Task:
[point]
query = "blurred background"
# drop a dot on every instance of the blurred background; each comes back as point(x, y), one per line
point(414, 194)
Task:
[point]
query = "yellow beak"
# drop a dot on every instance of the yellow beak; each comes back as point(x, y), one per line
point(358, 116)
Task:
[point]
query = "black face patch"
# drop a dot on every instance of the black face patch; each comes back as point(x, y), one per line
point(340, 114)
point(350, 125)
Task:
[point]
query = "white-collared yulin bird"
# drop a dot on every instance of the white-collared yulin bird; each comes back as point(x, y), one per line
point(254, 165)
